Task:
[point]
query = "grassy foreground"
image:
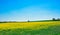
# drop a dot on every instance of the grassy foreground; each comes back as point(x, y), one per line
point(30, 28)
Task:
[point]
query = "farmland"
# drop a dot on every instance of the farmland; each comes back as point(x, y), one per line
point(30, 28)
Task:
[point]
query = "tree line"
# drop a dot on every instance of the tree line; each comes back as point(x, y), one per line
point(58, 19)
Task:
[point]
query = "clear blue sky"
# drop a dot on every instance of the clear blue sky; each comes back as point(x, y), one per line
point(22, 10)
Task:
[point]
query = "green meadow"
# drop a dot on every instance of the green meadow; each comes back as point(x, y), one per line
point(30, 28)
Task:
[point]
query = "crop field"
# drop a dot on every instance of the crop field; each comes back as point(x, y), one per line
point(30, 28)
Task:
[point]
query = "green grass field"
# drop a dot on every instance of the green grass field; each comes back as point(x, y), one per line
point(30, 28)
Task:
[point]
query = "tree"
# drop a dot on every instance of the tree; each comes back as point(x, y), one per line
point(28, 21)
point(53, 19)
point(58, 19)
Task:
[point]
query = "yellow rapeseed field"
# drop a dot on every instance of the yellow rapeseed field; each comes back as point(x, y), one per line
point(28, 25)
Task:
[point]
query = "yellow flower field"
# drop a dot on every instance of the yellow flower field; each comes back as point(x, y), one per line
point(28, 25)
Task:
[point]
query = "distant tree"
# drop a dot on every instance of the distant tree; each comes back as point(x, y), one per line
point(58, 19)
point(53, 19)
point(28, 21)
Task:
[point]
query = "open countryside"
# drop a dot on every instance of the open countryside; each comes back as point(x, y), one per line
point(29, 17)
point(30, 28)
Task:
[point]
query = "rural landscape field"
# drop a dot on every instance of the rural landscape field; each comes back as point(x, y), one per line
point(29, 17)
point(30, 28)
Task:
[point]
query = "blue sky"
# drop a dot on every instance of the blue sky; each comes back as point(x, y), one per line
point(23, 10)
